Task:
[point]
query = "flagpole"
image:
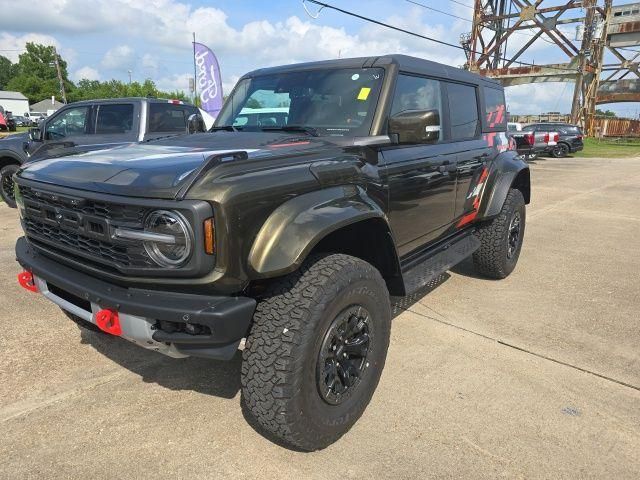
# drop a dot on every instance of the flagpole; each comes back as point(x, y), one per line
point(195, 75)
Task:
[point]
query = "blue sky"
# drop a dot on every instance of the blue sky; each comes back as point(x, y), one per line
point(104, 39)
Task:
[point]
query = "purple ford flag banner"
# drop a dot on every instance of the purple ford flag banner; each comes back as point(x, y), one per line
point(208, 79)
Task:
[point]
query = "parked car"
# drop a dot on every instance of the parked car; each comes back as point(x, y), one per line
point(10, 121)
point(513, 127)
point(22, 121)
point(92, 125)
point(3, 120)
point(531, 144)
point(388, 171)
point(262, 116)
point(35, 117)
point(570, 141)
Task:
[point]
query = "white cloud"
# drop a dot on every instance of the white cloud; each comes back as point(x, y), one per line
point(149, 64)
point(537, 98)
point(166, 27)
point(13, 46)
point(86, 73)
point(120, 57)
point(179, 82)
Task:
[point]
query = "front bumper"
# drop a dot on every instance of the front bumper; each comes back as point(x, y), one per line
point(141, 311)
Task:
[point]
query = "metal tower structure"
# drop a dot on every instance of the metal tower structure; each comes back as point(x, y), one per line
point(503, 30)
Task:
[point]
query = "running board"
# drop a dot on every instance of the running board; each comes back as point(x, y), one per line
point(438, 261)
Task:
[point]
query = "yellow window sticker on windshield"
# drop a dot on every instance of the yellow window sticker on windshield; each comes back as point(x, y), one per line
point(364, 93)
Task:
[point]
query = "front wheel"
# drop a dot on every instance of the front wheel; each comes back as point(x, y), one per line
point(501, 238)
point(6, 184)
point(316, 350)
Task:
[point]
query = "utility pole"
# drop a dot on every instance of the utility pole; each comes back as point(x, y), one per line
point(129, 72)
point(195, 73)
point(57, 64)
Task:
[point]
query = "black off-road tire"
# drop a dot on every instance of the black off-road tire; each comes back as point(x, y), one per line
point(6, 184)
point(281, 379)
point(81, 322)
point(497, 255)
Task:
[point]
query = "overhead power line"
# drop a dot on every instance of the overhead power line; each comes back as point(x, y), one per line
point(463, 4)
point(523, 34)
point(414, 34)
point(439, 11)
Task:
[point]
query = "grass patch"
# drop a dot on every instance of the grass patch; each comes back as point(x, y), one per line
point(18, 130)
point(614, 148)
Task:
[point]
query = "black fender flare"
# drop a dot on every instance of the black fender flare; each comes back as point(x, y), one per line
point(507, 170)
point(17, 159)
point(295, 227)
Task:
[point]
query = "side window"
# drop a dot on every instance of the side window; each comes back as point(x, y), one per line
point(463, 111)
point(494, 107)
point(167, 118)
point(529, 128)
point(68, 123)
point(115, 118)
point(417, 93)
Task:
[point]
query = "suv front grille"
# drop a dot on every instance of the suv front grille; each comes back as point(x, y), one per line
point(111, 211)
point(77, 227)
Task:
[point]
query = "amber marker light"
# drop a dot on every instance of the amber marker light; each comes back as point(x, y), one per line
point(209, 236)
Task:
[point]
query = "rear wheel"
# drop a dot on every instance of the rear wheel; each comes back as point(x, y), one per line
point(6, 184)
point(560, 150)
point(316, 350)
point(501, 238)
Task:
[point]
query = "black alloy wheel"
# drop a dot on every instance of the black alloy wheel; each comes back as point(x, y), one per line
point(560, 150)
point(343, 355)
point(513, 237)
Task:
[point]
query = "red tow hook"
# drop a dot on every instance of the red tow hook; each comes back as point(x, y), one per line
point(26, 281)
point(109, 322)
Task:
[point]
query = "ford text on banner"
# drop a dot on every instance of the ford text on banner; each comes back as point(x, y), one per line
point(208, 79)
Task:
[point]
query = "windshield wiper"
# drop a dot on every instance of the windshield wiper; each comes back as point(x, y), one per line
point(292, 128)
point(228, 128)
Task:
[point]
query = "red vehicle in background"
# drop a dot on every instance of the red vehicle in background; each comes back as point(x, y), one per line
point(3, 120)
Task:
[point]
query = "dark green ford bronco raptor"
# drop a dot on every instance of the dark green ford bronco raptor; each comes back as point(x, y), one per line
point(322, 189)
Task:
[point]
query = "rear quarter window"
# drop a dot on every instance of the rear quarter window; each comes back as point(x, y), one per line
point(463, 111)
point(167, 118)
point(494, 109)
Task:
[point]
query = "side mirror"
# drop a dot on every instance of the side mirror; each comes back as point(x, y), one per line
point(35, 135)
point(415, 126)
point(196, 123)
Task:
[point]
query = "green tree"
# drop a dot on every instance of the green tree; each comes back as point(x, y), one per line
point(606, 113)
point(93, 89)
point(35, 74)
point(7, 71)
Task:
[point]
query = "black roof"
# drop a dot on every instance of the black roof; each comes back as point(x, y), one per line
point(405, 63)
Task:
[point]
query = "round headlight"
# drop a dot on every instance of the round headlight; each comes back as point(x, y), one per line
point(173, 246)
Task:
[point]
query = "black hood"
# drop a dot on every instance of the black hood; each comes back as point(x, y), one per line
point(159, 169)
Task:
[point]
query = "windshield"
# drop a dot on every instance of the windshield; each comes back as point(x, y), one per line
point(338, 102)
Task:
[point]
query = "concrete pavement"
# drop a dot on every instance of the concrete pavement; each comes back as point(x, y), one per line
point(535, 376)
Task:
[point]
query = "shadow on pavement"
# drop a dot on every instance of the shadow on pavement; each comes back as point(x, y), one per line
point(211, 377)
